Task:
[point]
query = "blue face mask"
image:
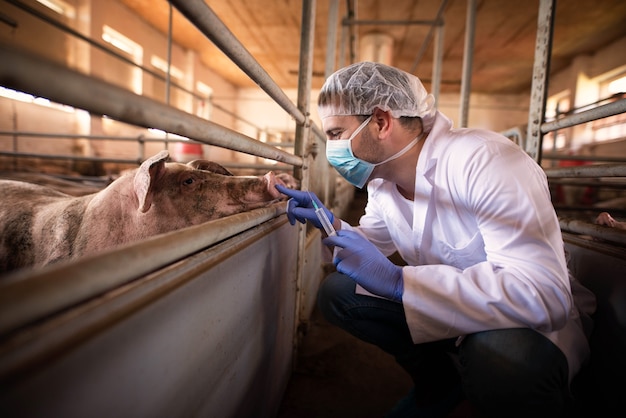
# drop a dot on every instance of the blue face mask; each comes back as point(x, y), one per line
point(356, 171)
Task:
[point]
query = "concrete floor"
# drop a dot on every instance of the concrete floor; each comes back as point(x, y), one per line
point(337, 375)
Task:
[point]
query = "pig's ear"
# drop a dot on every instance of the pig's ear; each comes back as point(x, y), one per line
point(147, 173)
point(209, 166)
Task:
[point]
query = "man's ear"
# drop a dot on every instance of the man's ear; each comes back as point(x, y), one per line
point(384, 122)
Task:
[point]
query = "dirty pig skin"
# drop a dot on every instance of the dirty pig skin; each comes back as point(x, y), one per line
point(39, 225)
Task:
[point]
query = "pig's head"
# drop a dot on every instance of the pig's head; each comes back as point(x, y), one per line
point(189, 194)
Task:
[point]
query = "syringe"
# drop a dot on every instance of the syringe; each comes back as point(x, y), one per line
point(321, 215)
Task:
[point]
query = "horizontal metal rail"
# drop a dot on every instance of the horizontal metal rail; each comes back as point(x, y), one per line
point(596, 170)
point(590, 158)
point(602, 232)
point(599, 112)
point(32, 74)
point(348, 22)
point(87, 136)
point(140, 137)
point(71, 157)
point(598, 183)
point(27, 296)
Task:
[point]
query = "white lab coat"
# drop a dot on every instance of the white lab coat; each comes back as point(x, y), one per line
point(482, 242)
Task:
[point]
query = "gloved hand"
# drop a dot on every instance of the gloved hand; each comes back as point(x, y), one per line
point(360, 260)
point(300, 206)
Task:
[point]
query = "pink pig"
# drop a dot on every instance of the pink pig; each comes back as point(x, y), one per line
point(39, 225)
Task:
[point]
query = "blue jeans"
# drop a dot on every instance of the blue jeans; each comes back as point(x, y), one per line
point(503, 373)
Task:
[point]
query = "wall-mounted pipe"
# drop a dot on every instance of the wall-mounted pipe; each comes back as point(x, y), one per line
point(38, 76)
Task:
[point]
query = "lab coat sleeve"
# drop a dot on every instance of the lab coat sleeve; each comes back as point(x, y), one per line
point(522, 279)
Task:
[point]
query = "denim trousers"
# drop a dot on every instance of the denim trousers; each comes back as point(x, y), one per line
point(502, 373)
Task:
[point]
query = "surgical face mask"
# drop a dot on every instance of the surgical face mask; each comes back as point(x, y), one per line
point(356, 171)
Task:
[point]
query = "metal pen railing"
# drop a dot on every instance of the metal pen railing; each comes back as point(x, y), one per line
point(537, 127)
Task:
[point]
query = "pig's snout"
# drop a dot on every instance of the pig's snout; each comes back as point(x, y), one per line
point(272, 181)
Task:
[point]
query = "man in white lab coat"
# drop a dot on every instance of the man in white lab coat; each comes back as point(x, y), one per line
point(484, 307)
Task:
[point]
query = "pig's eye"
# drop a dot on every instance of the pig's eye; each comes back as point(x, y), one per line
point(188, 181)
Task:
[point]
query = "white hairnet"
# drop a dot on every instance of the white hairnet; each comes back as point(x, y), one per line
point(360, 88)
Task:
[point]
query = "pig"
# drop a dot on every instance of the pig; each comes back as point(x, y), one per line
point(40, 225)
point(604, 218)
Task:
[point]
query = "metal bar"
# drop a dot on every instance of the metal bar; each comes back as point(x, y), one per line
point(305, 71)
point(69, 157)
point(597, 231)
point(255, 166)
point(596, 170)
point(168, 75)
point(27, 296)
point(203, 18)
point(352, 38)
point(613, 210)
point(541, 73)
point(79, 136)
point(437, 63)
point(105, 137)
point(304, 142)
point(25, 72)
point(516, 135)
point(426, 42)
point(8, 20)
point(596, 184)
point(468, 59)
point(595, 158)
point(331, 37)
point(348, 22)
point(318, 132)
point(599, 112)
point(345, 34)
point(138, 161)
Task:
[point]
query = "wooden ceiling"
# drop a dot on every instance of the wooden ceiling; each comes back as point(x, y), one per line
point(504, 43)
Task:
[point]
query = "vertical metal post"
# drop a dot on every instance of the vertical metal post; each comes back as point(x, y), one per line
point(342, 45)
point(331, 42)
point(541, 72)
point(302, 145)
point(168, 79)
point(352, 37)
point(437, 63)
point(468, 58)
point(331, 39)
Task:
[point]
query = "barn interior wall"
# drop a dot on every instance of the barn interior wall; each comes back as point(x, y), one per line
point(580, 85)
point(35, 35)
point(247, 110)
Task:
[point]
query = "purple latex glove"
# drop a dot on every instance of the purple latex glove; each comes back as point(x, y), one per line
point(300, 207)
point(360, 260)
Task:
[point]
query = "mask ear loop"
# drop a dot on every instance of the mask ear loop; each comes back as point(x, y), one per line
point(360, 128)
point(403, 150)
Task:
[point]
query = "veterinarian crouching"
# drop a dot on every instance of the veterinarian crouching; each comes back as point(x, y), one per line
point(485, 307)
